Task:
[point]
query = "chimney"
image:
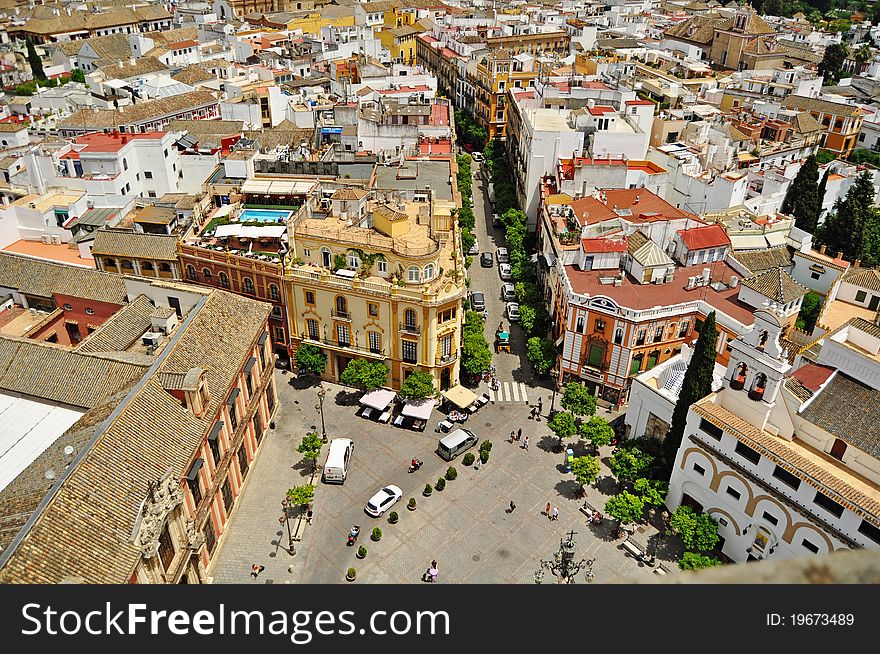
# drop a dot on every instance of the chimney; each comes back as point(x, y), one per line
point(822, 250)
point(857, 263)
point(839, 255)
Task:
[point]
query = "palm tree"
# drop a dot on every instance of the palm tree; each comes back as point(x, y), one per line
point(864, 53)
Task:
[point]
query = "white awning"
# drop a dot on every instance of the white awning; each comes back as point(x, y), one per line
point(378, 399)
point(419, 410)
point(756, 242)
point(224, 210)
point(228, 230)
point(775, 239)
point(460, 396)
point(260, 231)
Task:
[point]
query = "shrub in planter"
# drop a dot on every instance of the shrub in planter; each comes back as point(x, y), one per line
point(440, 485)
point(485, 448)
point(351, 574)
point(428, 490)
point(468, 459)
point(451, 473)
point(377, 533)
point(393, 517)
point(411, 505)
point(362, 552)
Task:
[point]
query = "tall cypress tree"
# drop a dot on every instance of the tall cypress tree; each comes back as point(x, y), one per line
point(801, 199)
point(34, 61)
point(696, 385)
point(852, 227)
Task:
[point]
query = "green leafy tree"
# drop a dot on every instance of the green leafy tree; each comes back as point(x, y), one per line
point(476, 355)
point(693, 561)
point(78, 76)
point(811, 305)
point(864, 53)
point(597, 431)
point(418, 386)
point(35, 62)
point(541, 353)
point(585, 469)
point(310, 447)
point(301, 495)
point(652, 491)
point(625, 507)
point(831, 66)
point(528, 317)
point(853, 226)
point(631, 463)
point(563, 425)
point(802, 198)
point(698, 531)
point(367, 375)
point(578, 399)
point(696, 385)
point(310, 359)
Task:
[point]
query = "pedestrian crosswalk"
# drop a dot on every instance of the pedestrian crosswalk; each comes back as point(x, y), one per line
point(510, 392)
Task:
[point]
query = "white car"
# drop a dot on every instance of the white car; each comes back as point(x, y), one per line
point(505, 271)
point(383, 500)
point(513, 312)
point(477, 156)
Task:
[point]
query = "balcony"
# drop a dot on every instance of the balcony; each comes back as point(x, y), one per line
point(341, 315)
point(410, 329)
point(342, 346)
point(448, 358)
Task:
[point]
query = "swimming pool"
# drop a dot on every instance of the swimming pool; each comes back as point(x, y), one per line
point(264, 215)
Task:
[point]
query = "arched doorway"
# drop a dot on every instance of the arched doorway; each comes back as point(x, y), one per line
point(445, 382)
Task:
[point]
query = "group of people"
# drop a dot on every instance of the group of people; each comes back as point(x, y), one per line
point(552, 514)
point(535, 413)
point(517, 436)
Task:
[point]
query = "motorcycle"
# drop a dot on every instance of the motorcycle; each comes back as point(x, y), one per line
point(353, 535)
point(415, 464)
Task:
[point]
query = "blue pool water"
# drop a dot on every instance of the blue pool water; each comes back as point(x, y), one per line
point(264, 215)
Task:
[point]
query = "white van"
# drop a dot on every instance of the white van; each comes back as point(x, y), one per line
point(336, 465)
point(455, 443)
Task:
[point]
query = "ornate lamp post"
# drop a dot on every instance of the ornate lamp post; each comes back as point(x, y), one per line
point(563, 566)
point(320, 407)
point(285, 519)
point(554, 375)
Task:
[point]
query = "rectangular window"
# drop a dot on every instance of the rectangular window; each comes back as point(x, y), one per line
point(148, 174)
point(747, 452)
point(312, 326)
point(700, 470)
point(258, 426)
point(307, 252)
point(270, 398)
point(214, 444)
point(786, 478)
point(815, 275)
point(710, 429)
point(375, 342)
point(618, 336)
point(243, 460)
point(600, 326)
point(409, 349)
point(166, 548)
point(310, 298)
point(860, 296)
point(810, 546)
point(683, 329)
point(343, 335)
point(233, 416)
point(382, 267)
point(658, 334)
point(228, 500)
point(597, 356)
point(446, 346)
point(769, 517)
point(210, 537)
point(829, 505)
point(733, 493)
point(373, 309)
point(640, 339)
point(869, 530)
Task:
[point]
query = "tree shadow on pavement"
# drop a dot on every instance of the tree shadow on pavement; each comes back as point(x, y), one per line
point(667, 548)
point(347, 398)
point(302, 383)
point(548, 443)
point(605, 530)
point(304, 466)
point(569, 489)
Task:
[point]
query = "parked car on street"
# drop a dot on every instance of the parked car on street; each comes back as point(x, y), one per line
point(501, 255)
point(496, 220)
point(477, 156)
point(475, 249)
point(478, 301)
point(504, 270)
point(508, 292)
point(513, 312)
point(486, 260)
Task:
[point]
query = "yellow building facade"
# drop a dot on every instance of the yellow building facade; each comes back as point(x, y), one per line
point(378, 279)
point(497, 73)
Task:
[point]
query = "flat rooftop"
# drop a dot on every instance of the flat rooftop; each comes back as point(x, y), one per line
point(839, 312)
point(48, 252)
point(416, 175)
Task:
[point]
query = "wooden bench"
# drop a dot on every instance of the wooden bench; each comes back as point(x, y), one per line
point(660, 570)
point(632, 548)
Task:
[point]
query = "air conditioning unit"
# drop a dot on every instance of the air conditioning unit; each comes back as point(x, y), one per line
point(56, 240)
point(734, 281)
point(151, 339)
point(692, 282)
point(46, 238)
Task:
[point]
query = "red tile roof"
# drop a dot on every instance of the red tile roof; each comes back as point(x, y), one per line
point(813, 375)
point(601, 110)
point(645, 206)
point(113, 142)
point(638, 102)
point(700, 238)
point(597, 245)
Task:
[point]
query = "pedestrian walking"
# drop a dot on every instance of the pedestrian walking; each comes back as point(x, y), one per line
point(512, 436)
point(555, 513)
point(519, 434)
point(540, 405)
point(256, 569)
point(547, 510)
point(309, 515)
point(434, 564)
point(525, 444)
point(512, 507)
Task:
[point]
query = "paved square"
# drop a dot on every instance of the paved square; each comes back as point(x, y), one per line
point(465, 527)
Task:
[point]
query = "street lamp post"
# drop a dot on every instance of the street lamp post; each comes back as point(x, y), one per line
point(320, 407)
point(285, 519)
point(563, 566)
point(554, 375)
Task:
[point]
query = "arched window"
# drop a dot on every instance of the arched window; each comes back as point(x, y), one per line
point(165, 267)
point(191, 272)
point(636, 364)
point(409, 320)
point(146, 266)
point(109, 263)
point(758, 387)
point(429, 272)
point(248, 285)
point(762, 339)
point(341, 307)
point(127, 265)
point(273, 292)
point(206, 273)
point(354, 261)
point(326, 257)
point(739, 377)
point(413, 273)
point(224, 280)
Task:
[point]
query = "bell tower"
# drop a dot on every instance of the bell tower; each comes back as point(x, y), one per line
point(757, 369)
